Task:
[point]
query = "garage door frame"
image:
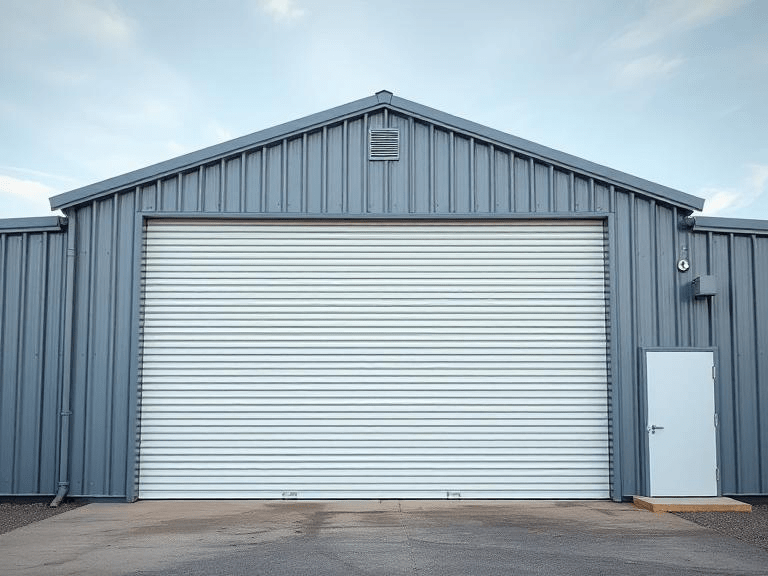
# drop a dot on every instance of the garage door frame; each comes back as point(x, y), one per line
point(615, 432)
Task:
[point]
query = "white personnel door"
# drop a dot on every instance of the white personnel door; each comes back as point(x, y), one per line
point(681, 428)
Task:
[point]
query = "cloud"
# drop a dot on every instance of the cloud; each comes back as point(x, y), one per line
point(90, 94)
point(725, 200)
point(30, 189)
point(665, 18)
point(758, 176)
point(35, 26)
point(642, 59)
point(20, 197)
point(645, 69)
point(6, 171)
point(282, 10)
point(100, 21)
point(219, 132)
point(721, 200)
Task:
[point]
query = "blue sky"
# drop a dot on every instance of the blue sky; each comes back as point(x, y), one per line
point(674, 91)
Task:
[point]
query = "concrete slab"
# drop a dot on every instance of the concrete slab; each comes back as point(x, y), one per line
point(210, 537)
point(715, 504)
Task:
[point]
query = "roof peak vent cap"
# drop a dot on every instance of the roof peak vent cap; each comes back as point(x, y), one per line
point(384, 96)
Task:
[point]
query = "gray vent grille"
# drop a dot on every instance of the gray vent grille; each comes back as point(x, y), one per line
point(384, 144)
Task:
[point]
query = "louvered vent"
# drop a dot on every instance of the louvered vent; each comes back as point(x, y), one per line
point(384, 144)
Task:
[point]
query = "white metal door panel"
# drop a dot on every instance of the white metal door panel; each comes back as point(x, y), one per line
point(373, 361)
point(682, 441)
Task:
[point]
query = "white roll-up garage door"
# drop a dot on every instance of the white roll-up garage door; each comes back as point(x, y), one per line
point(386, 360)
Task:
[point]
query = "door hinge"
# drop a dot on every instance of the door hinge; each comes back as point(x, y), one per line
point(714, 373)
point(717, 420)
point(717, 474)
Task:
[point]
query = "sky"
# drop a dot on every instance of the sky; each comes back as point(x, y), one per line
point(673, 91)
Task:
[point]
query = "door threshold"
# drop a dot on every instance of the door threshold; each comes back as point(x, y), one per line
point(691, 504)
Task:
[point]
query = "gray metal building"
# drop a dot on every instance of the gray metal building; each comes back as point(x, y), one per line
point(382, 300)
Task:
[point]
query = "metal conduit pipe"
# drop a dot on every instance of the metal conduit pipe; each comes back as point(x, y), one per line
point(66, 412)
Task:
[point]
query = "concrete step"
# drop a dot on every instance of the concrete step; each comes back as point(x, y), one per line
point(714, 504)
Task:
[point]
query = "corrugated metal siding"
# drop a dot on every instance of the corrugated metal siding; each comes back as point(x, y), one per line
point(441, 172)
point(374, 361)
point(102, 345)
point(31, 319)
point(736, 322)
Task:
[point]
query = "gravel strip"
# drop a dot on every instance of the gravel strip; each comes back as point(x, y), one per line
point(750, 527)
point(17, 513)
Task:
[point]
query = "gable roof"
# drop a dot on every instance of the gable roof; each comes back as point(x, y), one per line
point(381, 100)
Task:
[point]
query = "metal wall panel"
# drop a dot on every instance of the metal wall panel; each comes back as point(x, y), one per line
point(441, 173)
point(102, 346)
point(735, 320)
point(31, 315)
point(374, 361)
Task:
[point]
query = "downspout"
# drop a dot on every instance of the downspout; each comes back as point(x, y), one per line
point(66, 412)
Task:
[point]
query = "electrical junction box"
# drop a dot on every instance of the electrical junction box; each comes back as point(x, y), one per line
point(704, 286)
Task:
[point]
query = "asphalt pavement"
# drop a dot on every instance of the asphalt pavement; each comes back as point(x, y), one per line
point(372, 537)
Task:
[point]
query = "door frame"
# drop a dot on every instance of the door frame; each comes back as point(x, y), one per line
point(617, 397)
point(645, 465)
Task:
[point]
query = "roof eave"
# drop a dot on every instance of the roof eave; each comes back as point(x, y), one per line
point(730, 225)
point(555, 157)
point(33, 224)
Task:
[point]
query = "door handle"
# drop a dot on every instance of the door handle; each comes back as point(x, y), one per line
point(652, 428)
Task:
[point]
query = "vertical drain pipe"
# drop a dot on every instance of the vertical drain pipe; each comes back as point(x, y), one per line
point(66, 412)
